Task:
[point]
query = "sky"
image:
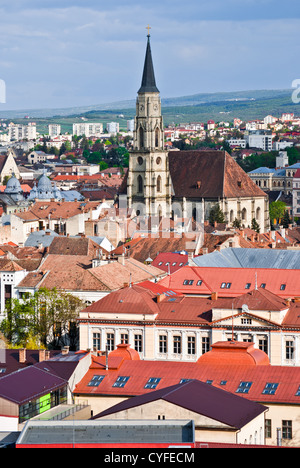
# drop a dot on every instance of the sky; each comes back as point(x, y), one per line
point(69, 53)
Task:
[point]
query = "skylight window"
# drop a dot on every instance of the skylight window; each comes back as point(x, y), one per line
point(298, 391)
point(244, 387)
point(248, 286)
point(282, 287)
point(263, 285)
point(152, 382)
point(189, 282)
point(96, 380)
point(270, 388)
point(121, 381)
point(184, 380)
point(199, 282)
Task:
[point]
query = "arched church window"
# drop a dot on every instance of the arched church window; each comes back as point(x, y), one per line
point(158, 184)
point(140, 184)
point(157, 138)
point(141, 137)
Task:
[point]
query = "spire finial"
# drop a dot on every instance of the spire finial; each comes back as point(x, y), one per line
point(148, 27)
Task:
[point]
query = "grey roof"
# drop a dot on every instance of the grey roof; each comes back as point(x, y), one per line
point(250, 258)
point(148, 80)
point(37, 238)
point(262, 170)
point(201, 398)
point(99, 432)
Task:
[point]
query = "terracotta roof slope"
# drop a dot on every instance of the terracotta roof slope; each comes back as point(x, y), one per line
point(209, 174)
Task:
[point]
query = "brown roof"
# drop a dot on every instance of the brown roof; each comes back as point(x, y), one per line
point(209, 174)
point(57, 210)
point(133, 300)
point(74, 246)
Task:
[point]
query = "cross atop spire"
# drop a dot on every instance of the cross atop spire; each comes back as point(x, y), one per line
point(148, 80)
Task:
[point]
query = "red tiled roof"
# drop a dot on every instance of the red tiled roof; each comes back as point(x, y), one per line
point(227, 376)
point(214, 278)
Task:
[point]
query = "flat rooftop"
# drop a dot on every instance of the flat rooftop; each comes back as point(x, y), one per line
point(107, 431)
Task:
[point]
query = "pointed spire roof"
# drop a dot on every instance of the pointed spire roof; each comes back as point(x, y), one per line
point(148, 80)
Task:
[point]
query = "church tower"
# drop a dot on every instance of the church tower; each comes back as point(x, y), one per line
point(148, 183)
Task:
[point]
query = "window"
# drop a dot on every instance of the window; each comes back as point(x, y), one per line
point(162, 344)
point(152, 382)
point(140, 184)
point(248, 286)
point(263, 344)
point(244, 387)
point(226, 285)
point(96, 380)
point(174, 263)
point(199, 282)
point(138, 343)
point(124, 338)
point(177, 344)
point(223, 382)
point(96, 341)
point(187, 281)
point(270, 388)
point(191, 345)
point(287, 429)
point(209, 382)
point(268, 428)
point(246, 321)
point(121, 382)
point(205, 344)
point(158, 184)
point(110, 341)
point(263, 285)
point(282, 287)
point(184, 380)
point(289, 350)
point(298, 391)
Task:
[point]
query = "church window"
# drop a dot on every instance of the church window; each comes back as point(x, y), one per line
point(248, 286)
point(158, 184)
point(158, 161)
point(140, 160)
point(140, 184)
point(157, 138)
point(141, 137)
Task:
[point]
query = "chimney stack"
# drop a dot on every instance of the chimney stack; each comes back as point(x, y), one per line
point(22, 355)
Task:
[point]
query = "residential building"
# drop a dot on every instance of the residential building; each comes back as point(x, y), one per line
point(22, 132)
point(113, 127)
point(54, 130)
point(88, 129)
point(259, 139)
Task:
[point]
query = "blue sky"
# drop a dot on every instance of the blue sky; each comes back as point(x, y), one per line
point(86, 52)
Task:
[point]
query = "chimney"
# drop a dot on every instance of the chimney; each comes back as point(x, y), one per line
point(42, 355)
point(65, 350)
point(22, 355)
point(160, 297)
point(214, 296)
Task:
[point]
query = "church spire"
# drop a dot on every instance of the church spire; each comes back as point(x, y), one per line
point(148, 80)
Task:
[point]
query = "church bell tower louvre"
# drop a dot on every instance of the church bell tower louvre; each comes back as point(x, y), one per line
point(148, 183)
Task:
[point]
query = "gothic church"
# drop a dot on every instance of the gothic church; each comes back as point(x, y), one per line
point(184, 183)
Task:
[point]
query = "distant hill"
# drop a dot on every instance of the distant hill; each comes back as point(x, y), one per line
point(246, 105)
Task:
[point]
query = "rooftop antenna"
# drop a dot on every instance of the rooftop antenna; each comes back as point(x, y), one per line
point(130, 281)
point(255, 280)
point(106, 356)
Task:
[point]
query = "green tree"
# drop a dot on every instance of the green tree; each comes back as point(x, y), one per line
point(277, 210)
point(286, 220)
point(255, 225)
point(48, 315)
point(216, 215)
point(236, 223)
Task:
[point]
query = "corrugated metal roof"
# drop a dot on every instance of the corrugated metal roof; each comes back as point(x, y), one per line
point(250, 258)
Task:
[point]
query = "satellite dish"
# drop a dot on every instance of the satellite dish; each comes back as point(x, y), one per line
point(245, 308)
